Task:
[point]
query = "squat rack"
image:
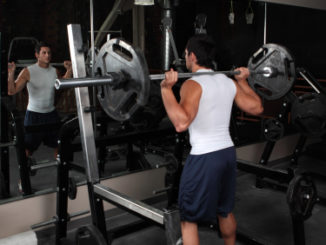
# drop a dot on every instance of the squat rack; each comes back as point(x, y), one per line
point(169, 220)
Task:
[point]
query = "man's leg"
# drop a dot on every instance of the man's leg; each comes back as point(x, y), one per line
point(228, 227)
point(189, 232)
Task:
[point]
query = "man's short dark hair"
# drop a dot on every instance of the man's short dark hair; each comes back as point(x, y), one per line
point(41, 44)
point(204, 47)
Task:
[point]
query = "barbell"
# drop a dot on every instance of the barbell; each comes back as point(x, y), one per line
point(116, 79)
point(123, 80)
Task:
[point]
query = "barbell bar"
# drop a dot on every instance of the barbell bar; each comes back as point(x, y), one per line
point(114, 78)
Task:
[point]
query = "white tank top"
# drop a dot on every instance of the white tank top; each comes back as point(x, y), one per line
point(209, 131)
point(41, 88)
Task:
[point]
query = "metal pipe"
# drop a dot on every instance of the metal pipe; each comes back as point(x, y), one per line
point(82, 82)
point(191, 74)
point(115, 78)
point(44, 165)
point(91, 10)
point(265, 24)
point(310, 82)
point(12, 143)
point(128, 203)
point(166, 47)
point(22, 65)
point(45, 223)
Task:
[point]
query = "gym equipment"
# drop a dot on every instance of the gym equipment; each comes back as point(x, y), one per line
point(55, 219)
point(89, 234)
point(311, 80)
point(121, 101)
point(301, 197)
point(273, 129)
point(308, 114)
point(98, 192)
point(275, 57)
point(34, 165)
point(125, 83)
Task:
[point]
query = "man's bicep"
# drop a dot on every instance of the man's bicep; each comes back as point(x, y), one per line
point(244, 101)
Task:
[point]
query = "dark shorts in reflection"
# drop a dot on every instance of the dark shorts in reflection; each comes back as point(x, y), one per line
point(34, 136)
point(207, 186)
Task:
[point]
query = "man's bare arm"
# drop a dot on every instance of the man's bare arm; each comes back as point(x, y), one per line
point(15, 86)
point(246, 98)
point(181, 114)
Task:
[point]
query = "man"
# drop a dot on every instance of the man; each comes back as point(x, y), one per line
point(207, 185)
point(39, 79)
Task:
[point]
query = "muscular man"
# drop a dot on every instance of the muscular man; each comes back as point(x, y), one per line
point(39, 79)
point(207, 185)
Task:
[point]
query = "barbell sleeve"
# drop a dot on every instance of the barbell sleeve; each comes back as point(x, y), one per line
point(113, 79)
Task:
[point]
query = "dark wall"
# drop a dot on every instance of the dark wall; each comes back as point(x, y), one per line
point(299, 29)
point(47, 20)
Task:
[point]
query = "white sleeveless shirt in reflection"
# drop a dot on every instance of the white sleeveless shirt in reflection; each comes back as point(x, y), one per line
point(209, 131)
point(41, 88)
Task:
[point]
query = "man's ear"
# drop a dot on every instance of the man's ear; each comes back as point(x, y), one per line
point(36, 55)
point(193, 57)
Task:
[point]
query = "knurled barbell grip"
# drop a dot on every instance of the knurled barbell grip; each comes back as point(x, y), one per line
point(267, 72)
point(191, 74)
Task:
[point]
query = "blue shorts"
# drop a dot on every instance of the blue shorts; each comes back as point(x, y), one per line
point(207, 186)
point(49, 136)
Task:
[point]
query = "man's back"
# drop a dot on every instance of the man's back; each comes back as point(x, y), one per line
point(209, 130)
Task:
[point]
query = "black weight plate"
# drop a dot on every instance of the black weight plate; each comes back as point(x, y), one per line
point(273, 129)
point(301, 196)
point(279, 59)
point(118, 56)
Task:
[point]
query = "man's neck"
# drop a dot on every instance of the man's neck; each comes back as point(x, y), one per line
point(196, 67)
point(43, 65)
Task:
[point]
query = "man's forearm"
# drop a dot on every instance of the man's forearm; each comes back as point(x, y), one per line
point(68, 74)
point(11, 83)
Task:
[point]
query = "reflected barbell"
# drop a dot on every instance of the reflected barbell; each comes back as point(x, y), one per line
point(23, 65)
point(123, 81)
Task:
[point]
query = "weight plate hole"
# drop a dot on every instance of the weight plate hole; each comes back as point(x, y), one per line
point(124, 53)
point(258, 56)
point(129, 103)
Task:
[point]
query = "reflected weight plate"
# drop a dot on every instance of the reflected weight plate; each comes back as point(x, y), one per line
point(122, 102)
point(278, 58)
